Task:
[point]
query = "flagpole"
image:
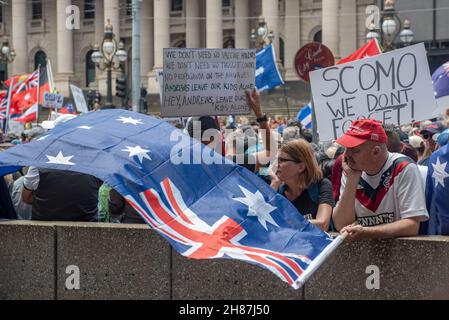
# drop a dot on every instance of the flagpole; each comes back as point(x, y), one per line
point(319, 260)
point(38, 91)
point(10, 89)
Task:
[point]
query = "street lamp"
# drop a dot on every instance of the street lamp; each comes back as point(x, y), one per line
point(261, 36)
point(104, 57)
point(391, 28)
point(7, 55)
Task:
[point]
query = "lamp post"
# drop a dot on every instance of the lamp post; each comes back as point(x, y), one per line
point(7, 55)
point(389, 30)
point(261, 36)
point(104, 57)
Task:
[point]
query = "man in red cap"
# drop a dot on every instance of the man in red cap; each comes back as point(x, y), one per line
point(382, 193)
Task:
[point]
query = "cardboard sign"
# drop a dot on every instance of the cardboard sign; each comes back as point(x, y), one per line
point(80, 100)
point(200, 82)
point(53, 100)
point(393, 87)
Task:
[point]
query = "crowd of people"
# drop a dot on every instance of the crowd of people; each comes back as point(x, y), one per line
point(369, 183)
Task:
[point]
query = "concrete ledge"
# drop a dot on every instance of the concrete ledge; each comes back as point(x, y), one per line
point(409, 268)
point(133, 262)
point(226, 279)
point(125, 262)
point(27, 262)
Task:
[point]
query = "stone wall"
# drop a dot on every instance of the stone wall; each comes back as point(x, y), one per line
point(132, 262)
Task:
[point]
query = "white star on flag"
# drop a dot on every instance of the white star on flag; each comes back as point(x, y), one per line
point(130, 120)
point(439, 172)
point(60, 159)
point(85, 127)
point(137, 151)
point(27, 96)
point(257, 207)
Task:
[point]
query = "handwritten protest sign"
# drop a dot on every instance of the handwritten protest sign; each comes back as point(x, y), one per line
point(199, 82)
point(53, 100)
point(78, 97)
point(393, 87)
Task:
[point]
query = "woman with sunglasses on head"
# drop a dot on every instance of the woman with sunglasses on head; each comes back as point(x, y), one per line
point(298, 177)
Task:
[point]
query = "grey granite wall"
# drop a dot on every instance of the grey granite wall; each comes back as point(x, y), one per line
point(132, 262)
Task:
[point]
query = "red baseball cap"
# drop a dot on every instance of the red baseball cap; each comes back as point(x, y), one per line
point(361, 131)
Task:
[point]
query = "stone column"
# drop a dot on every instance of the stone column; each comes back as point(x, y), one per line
point(161, 39)
point(19, 36)
point(292, 37)
point(348, 27)
point(214, 24)
point(330, 23)
point(147, 46)
point(100, 76)
point(270, 11)
point(242, 26)
point(64, 42)
point(193, 24)
point(99, 21)
point(112, 12)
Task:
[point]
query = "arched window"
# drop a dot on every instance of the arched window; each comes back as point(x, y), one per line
point(3, 72)
point(90, 68)
point(317, 36)
point(40, 59)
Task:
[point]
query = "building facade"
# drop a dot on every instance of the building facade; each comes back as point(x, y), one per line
point(37, 30)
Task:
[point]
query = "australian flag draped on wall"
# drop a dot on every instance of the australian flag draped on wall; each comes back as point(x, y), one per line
point(267, 73)
point(437, 191)
point(205, 211)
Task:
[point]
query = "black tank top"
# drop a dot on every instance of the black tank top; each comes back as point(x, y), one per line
point(66, 196)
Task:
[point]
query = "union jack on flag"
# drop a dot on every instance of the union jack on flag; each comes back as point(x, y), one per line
point(3, 106)
point(205, 206)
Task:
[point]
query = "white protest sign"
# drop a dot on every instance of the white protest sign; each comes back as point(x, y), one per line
point(53, 100)
point(78, 97)
point(393, 87)
point(15, 127)
point(200, 82)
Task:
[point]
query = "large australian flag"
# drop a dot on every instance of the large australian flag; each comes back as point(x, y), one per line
point(437, 191)
point(204, 205)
